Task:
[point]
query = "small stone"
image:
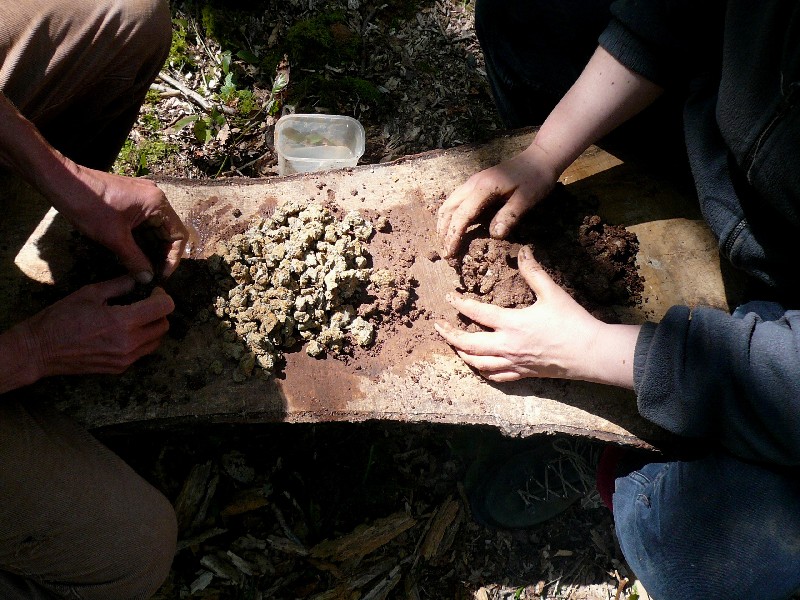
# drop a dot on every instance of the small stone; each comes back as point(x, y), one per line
point(314, 348)
point(233, 350)
point(362, 332)
point(382, 277)
point(247, 363)
point(291, 278)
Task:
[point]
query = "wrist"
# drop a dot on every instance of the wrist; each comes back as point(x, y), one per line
point(611, 353)
point(59, 180)
point(544, 162)
point(22, 364)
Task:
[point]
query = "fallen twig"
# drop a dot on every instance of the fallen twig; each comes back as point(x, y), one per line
point(164, 91)
point(193, 96)
point(623, 581)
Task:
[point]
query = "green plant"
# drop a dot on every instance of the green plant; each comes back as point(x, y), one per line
point(361, 88)
point(243, 100)
point(135, 158)
point(207, 126)
point(149, 121)
point(179, 48)
point(152, 97)
point(335, 91)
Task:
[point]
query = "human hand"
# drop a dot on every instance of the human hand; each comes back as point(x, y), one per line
point(519, 183)
point(83, 333)
point(108, 207)
point(554, 337)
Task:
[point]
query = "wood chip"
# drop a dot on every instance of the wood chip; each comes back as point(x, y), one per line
point(202, 582)
point(244, 566)
point(245, 501)
point(384, 588)
point(201, 537)
point(221, 567)
point(364, 538)
point(287, 546)
point(193, 495)
point(440, 530)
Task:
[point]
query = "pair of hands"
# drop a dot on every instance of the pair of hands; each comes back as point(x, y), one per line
point(83, 333)
point(554, 337)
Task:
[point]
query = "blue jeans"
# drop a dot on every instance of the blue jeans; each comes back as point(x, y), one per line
point(713, 528)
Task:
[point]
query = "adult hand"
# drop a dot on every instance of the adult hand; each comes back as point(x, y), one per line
point(518, 183)
point(108, 207)
point(103, 206)
point(83, 334)
point(554, 337)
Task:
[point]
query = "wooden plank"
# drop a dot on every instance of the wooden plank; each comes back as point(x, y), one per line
point(678, 260)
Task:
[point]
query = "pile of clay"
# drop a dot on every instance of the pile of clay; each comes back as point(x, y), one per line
point(594, 261)
point(298, 276)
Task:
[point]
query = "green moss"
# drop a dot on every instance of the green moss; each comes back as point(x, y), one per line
point(179, 48)
point(150, 121)
point(135, 158)
point(152, 98)
point(396, 12)
point(247, 102)
point(244, 101)
point(361, 88)
point(222, 24)
point(208, 17)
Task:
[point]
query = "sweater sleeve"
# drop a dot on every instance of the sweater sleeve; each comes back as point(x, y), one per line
point(665, 41)
point(704, 373)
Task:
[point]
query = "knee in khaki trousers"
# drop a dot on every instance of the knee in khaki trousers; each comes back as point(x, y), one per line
point(80, 69)
point(75, 520)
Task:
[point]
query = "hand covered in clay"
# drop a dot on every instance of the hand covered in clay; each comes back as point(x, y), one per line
point(108, 207)
point(554, 337)
point(518, 183)
point(83, 333)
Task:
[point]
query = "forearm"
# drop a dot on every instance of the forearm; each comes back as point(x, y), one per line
point(19, 364)
point(24, 151)
point(605, 95)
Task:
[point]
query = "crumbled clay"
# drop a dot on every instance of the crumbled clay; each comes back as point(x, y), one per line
point(295, 276)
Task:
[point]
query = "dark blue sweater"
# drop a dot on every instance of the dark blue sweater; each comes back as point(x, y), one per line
point(701, 372)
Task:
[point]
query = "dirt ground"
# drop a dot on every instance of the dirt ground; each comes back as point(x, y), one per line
point(373, 510)
point(593, 260)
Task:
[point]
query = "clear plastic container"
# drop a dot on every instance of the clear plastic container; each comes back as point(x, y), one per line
point(317, 143)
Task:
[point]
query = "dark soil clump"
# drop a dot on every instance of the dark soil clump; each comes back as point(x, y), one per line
point(594, 261)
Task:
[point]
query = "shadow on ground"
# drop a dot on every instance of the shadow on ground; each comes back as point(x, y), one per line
point(370, 510)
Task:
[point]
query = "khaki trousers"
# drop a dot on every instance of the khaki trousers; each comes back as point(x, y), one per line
point(75, 520)
point(80, 69)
